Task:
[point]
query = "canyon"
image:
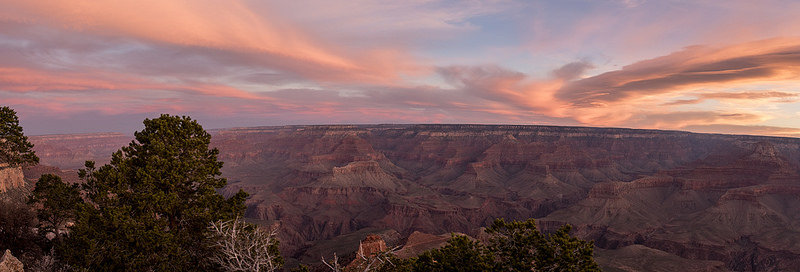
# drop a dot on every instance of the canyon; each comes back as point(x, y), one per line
point(650, 199)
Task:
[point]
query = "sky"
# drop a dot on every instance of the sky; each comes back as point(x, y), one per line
point(699, 65)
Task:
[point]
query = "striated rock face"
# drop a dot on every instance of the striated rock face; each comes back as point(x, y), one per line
point(371, 246)
point(719, 199)
point(8, 263)
point(10, 177)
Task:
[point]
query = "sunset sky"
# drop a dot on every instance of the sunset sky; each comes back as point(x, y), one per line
point(705, 66)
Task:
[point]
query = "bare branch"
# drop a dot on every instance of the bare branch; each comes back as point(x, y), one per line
point(245, 247)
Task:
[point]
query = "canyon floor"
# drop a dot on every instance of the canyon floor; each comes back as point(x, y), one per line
point(651, 200)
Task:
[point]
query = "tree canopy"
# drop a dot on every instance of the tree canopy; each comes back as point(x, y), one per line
point(512, 246)
point(57, 201)
point(519, 246)
point(149, 208)
point(15, 150)
point(460, 254)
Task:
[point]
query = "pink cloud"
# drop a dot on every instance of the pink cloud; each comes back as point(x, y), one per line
point(694, 67)
point(227, 26)
point(771, 96)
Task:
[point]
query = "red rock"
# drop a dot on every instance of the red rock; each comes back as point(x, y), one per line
point(10, 177)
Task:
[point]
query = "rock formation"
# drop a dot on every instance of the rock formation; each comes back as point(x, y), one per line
point(368, 248)
point(10, 177)
point(8, 263)
point(727, 199)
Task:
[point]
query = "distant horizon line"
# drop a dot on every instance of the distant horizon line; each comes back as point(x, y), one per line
point(117, 133)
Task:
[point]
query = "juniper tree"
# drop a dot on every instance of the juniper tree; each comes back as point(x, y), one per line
point(512, 246)
point(56, 202)
point(149, 208)
point(460, 254)
point(15, 150)
point(519, 246)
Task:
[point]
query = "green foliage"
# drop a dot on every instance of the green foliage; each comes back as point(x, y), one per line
point(562, 252)
point(57, 202)
point(513, 246)
point(395, 264)
point(15, 150)
point(149, 208)
point(519, 246)
point(460, 254)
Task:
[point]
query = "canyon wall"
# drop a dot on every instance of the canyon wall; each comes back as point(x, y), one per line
point(719, 199)
point(71, 151)
point(10, 177)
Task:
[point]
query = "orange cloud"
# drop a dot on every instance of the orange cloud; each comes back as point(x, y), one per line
point(773, 96)
point(635, 95)
point(230, 26)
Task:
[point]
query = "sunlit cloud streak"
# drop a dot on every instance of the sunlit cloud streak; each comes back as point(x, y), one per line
point(229, 26)
point(772, 96)
point(771, 60)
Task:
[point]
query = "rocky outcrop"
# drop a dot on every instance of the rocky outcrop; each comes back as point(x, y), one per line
point(11, 177)
point(370, 247)
point(8, 263)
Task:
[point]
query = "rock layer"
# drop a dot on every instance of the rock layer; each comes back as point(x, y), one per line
point(9, 263)
point(10, 177)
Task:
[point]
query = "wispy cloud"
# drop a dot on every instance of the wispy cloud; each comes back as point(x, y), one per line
point(225, 27)
point(693, 67)
point(771, 96)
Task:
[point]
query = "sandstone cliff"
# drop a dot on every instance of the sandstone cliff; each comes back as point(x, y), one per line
point(9, 263)
point(10, 177)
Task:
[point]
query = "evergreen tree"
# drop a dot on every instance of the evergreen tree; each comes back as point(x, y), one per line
point(17, 221)
point(56, 203)
point(513, 246)
point(460, 254)
point(150, 207)
point(562, 252)
point(519, 246)
point(15, 150)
